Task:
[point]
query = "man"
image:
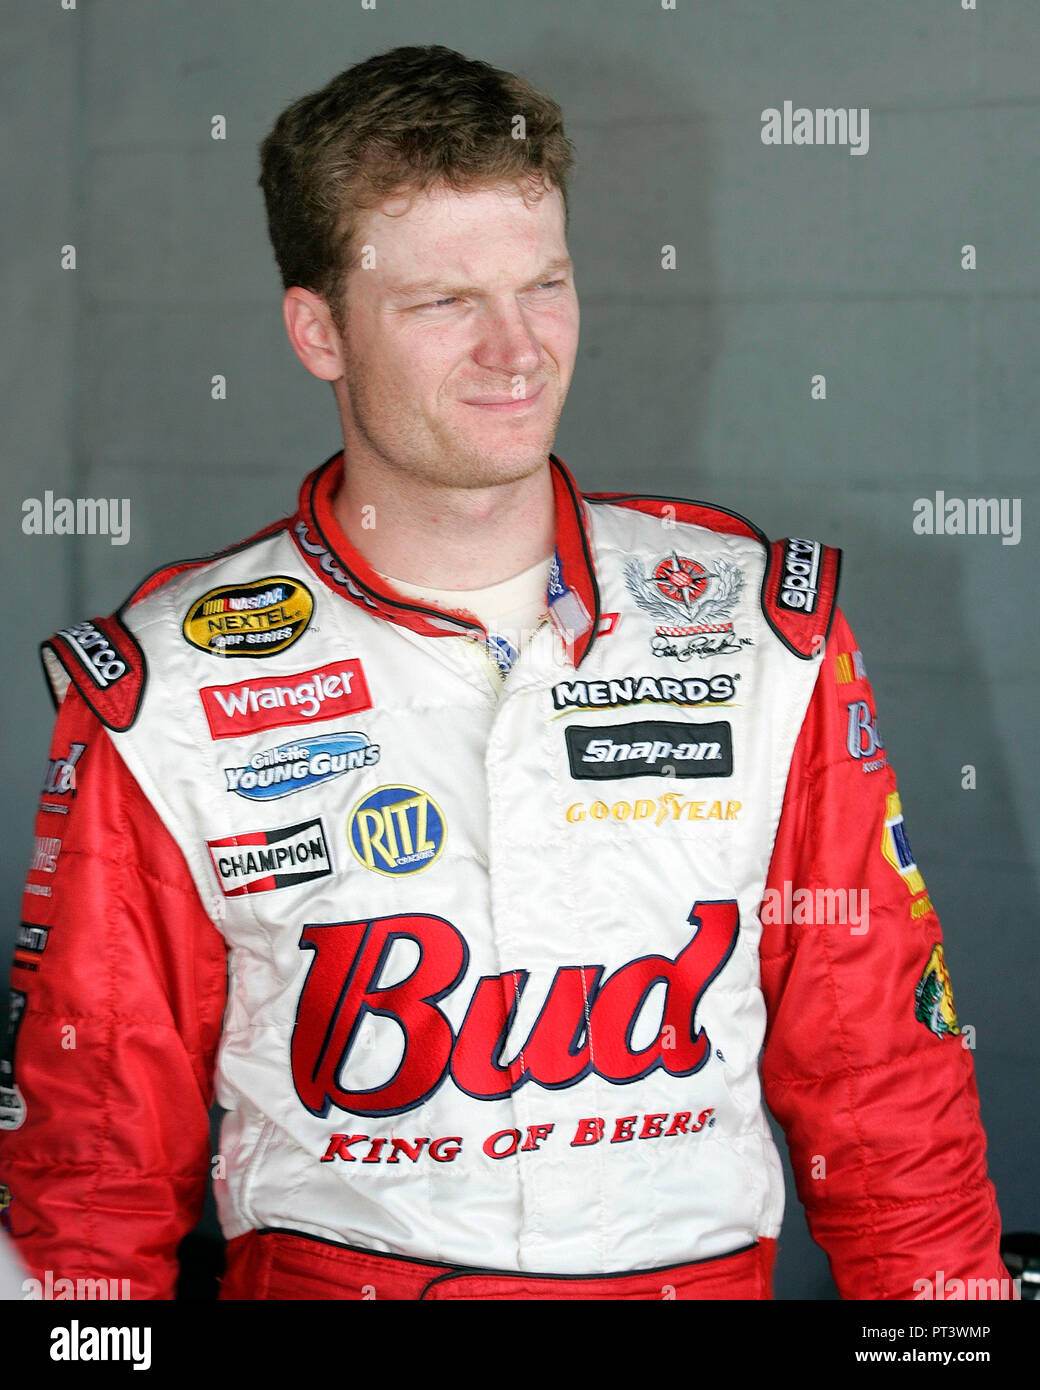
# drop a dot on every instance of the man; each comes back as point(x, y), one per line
point(521, 818)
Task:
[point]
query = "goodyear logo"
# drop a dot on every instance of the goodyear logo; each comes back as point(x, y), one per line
point(258, 619)
point(396, 830)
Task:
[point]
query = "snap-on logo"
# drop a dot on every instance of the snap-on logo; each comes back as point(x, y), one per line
point(650, 748)
point(328, 692)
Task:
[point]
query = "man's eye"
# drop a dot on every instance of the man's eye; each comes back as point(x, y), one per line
point(453, 299)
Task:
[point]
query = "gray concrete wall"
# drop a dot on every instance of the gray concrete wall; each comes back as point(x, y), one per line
point(693, 381)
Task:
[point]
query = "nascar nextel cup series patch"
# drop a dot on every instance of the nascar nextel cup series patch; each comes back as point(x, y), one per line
point(258, 619)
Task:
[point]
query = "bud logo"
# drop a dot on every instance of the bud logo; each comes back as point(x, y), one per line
point(266, 859)
point(864, 739)
point(97, 653)
point(650, 749)
point(259, 619)
point(396, 830)
point(281, 771)
point(584, 1027)
point(325, 693)
point(799, 581)
point(61, 772)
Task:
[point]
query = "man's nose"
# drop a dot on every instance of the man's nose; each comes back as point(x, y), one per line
point(507, 343)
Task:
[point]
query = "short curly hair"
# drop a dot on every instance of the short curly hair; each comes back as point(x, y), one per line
point(396, 123)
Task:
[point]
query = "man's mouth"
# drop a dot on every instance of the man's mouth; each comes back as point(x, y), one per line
point(506, 404)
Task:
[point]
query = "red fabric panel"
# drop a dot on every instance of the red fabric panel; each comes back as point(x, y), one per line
point(285, 1266)
point(114, 1051)
point(881, 1114)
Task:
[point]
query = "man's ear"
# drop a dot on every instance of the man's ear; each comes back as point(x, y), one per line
point(312, 333)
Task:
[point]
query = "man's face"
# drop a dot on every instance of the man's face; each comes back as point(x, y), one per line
point(470, 300)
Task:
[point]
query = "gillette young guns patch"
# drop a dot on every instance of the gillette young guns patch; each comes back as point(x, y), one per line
point(258, 619)
point(306, 762)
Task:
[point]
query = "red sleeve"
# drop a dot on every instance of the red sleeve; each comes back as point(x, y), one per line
point(864, 1064)
point(117, 995)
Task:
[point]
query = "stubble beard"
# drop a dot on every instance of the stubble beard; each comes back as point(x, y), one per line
point(437, 454)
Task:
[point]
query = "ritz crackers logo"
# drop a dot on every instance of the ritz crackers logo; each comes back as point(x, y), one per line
point(584, 1026)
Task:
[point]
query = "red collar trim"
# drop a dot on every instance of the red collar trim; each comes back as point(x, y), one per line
point(573, 595)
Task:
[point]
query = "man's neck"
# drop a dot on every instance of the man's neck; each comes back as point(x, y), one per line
point(449, 538)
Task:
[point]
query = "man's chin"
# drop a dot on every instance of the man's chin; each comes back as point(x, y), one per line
point(472, 469)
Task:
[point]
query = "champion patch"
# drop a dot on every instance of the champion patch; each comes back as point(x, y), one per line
point(262, 860)
point(12, 1102)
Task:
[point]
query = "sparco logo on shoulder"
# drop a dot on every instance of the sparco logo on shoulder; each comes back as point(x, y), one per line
point(800, 576)
point(585, 1026)
point(97, 652)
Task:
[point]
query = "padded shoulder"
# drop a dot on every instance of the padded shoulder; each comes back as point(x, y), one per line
point(800, 583)
point(799, 593)
point(103, 660)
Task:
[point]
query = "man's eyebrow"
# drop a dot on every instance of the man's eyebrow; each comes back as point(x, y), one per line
point(441, 287)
